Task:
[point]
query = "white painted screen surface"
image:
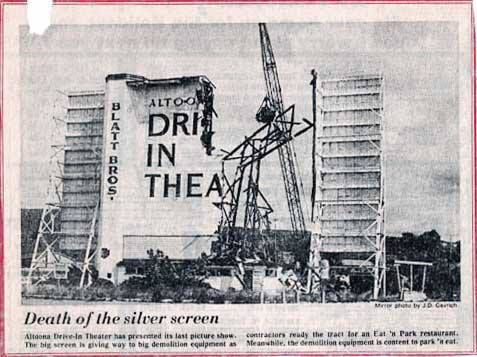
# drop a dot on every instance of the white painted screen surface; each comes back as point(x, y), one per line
point(185, 182)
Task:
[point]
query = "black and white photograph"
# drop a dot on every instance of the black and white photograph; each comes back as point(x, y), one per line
point(224, 178)
point(240, 163)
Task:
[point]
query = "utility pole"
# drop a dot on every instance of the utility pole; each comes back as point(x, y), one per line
point(313, 146)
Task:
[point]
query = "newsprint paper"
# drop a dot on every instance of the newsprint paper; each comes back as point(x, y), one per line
point(238, 178)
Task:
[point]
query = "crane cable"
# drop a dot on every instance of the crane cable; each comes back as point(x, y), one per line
point(299, 178)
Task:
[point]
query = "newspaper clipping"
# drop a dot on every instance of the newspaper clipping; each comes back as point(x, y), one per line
point(240, 178)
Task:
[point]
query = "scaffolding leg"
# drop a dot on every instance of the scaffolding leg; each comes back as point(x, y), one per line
point(43, 249)
point(423, 279)
point(376, 278)
point(313, 282)
point(88, 258)
point(398, 278)
point(379, 271)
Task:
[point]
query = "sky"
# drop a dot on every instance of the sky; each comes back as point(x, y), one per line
point(419, 61)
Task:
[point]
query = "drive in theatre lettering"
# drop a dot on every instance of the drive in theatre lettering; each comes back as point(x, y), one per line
point(159, 164)
point(177, 123)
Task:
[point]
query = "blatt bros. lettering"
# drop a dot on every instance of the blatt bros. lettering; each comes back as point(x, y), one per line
point(112, 161)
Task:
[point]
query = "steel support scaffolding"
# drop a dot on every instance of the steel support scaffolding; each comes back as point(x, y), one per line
point(70, 216)
point(349, 211)
point(46, 262)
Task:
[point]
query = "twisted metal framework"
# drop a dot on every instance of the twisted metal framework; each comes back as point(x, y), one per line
point(277, 134)
point(249, 154)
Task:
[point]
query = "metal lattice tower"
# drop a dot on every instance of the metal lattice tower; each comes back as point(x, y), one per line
point(286, 153)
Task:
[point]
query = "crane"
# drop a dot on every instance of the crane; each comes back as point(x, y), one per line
point(286, 153)
point(250, 243)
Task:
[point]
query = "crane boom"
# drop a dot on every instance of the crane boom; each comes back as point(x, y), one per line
point(286, 153)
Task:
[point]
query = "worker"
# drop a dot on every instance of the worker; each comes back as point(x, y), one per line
point(324, 272)
point(324, 269)
point(298, 268)
point(405, 285)
point(199, 94)
point(239, 261)
point(208, 99)
point(206, 139)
